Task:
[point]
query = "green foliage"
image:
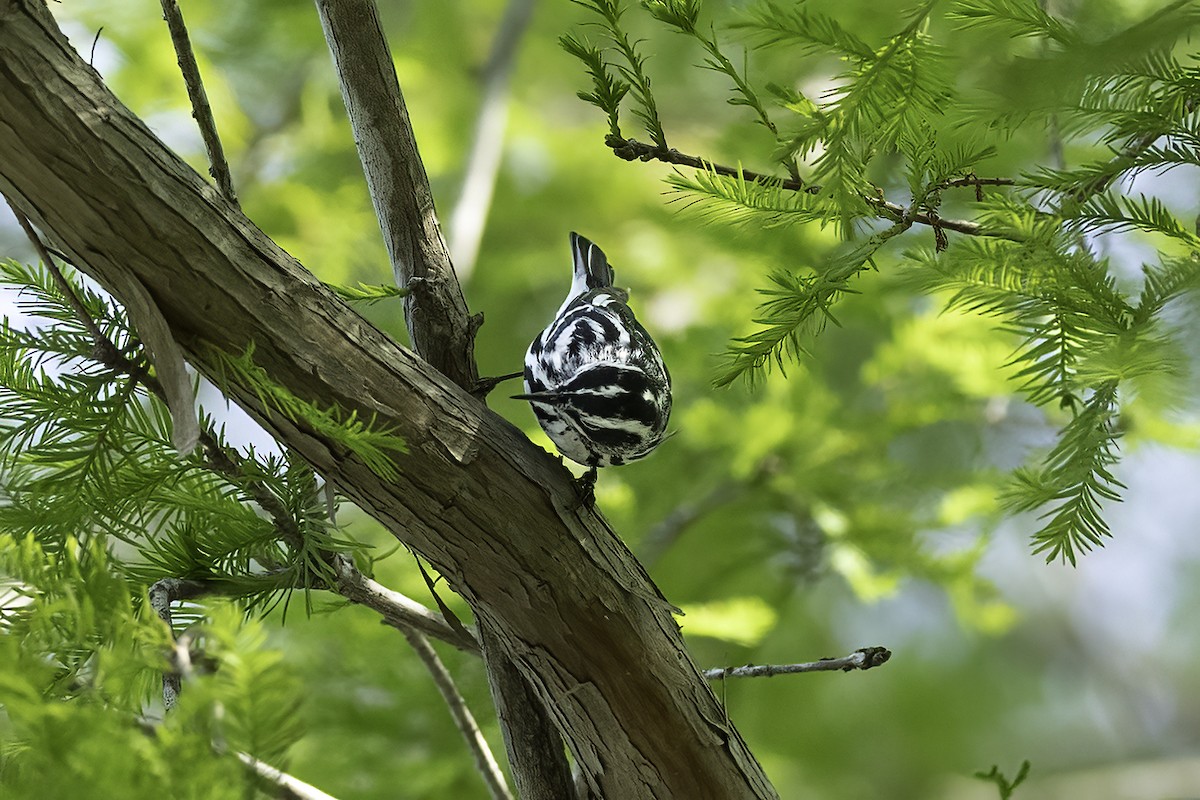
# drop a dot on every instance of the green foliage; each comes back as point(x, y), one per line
point(1165, 283)
point(896, 109)
point(86, 454)
point(799, 307)
point(1112, 213)
point(1013, 17)
point(1062, 305)
point(1145, 109)
point(878, 101)
point(1003, 784)
point(608, 90)
point(683, 15)
point(249, 682)
point(632, 69)
point(365, 439)
point(1078, 339)
point(1075, 477)
point(368, 293)
point(773, 23)
point(82, 657)
point(727, 198)
point(72, 627)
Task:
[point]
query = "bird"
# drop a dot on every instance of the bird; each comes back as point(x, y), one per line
point(594, 377)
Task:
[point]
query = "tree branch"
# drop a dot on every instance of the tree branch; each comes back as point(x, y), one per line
point(162, 594)
point(864, 658)
point(493, 513)
point(439, 325)
point(633, 150)
point(977, 182)
point(201, 110)
point(897, 212)
point(288, 786)
point(397, 610)
point(485, 762)
point(535, 749)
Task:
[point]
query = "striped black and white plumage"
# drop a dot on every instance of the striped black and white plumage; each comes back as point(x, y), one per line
point(594, 377)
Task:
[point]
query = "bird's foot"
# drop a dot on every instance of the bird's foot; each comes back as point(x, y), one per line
point(585, 488)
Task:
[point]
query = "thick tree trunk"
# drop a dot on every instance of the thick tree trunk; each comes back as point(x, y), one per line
point(497, 516)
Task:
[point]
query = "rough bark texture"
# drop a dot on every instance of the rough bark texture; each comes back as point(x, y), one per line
point(539, 765)
point(435, 312)
point(440, 329)
point(495, 514)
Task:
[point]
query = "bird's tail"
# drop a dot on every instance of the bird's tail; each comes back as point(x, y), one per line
point(592, 270)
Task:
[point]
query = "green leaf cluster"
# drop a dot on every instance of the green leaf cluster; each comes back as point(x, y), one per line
point(798, 308)
point(82, 658)
point(366, 440)
point(897, 119)
point(86, 453)
point(368, 293)
point(631, 69)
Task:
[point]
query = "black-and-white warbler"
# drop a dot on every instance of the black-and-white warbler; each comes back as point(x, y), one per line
point(595, 378)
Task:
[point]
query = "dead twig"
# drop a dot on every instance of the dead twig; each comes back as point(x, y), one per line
point(201, 109)
point(863, 658)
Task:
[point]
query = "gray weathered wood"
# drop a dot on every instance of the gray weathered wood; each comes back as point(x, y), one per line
point(495, 514)
point(435, 312)
point(535, 751)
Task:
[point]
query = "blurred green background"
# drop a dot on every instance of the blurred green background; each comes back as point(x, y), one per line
point(849, 503)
